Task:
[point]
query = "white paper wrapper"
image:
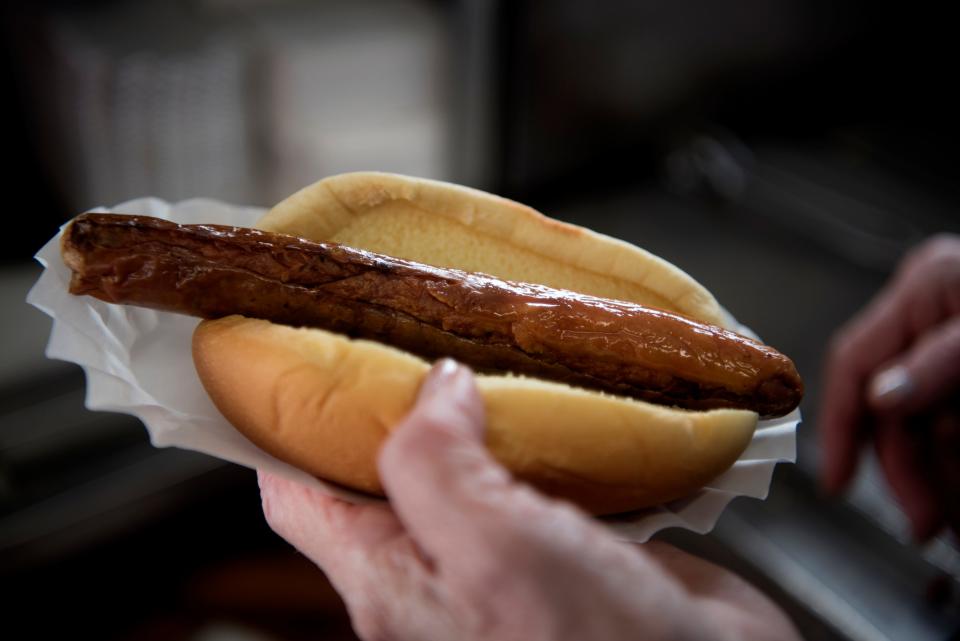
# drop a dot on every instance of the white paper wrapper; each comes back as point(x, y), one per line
point(137, 361)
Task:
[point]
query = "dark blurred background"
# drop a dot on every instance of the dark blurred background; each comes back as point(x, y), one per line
point(786, 153)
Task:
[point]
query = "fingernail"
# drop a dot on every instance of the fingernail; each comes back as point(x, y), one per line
point(891, 387)
point(440, 375)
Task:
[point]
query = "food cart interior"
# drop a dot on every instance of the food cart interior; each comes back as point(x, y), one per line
point(786, 154)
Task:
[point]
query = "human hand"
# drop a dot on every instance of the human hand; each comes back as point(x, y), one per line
point(893, 374)
point(467, 553)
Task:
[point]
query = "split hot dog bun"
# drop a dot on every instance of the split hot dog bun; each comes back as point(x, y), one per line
point(325, 403)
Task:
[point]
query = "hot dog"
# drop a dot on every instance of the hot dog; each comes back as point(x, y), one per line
point(574, 339)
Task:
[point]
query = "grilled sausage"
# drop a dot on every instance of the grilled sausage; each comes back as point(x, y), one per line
point(493, 325)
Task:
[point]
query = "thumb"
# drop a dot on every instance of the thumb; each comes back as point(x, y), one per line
point(921, 377)
point(435, 468)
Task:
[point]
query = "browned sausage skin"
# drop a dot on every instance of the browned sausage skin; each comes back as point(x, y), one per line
point(493, 325)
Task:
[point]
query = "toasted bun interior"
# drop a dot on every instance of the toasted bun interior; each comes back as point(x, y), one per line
point(453, 226)
point(325, 403)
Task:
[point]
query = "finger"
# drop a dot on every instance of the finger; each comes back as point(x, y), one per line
point(853, 354)
point(839, 423)
point(363, 550)
point(908, 474)
point(435, 468)
point(923, 293)
point(920, 296)
point(921, 378)
point(925, 290)
point(325, 529)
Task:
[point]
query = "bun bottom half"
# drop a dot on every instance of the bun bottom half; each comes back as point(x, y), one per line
point(325, 404)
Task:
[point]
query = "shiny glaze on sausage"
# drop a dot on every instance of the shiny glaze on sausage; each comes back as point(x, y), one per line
point(493, 325)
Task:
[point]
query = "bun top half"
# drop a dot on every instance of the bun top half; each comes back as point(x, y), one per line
point(448, 225)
